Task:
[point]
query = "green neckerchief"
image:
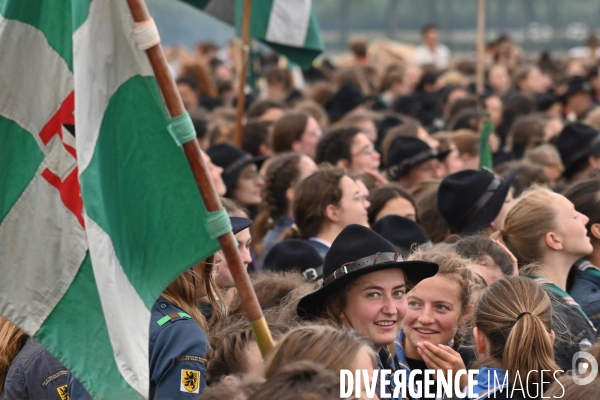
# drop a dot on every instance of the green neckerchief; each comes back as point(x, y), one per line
point(564, 296)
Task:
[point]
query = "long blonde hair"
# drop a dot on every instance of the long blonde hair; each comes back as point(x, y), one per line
point(530, 218)
point(182, 293)
point(515, 315)
point(12, 340)
point(334, 348)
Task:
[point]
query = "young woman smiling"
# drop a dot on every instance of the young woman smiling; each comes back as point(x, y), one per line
point(364, 289)
point(437, 309)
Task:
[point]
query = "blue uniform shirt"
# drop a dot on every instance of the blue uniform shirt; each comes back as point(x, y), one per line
point(490, 381)
point(586, 290)
point(177, 351)
point(35, 374)
point(400, 357)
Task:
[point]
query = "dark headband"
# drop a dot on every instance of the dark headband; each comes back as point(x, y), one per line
point(402, 168)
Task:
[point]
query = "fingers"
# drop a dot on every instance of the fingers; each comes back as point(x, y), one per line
point(440, 357)
point(430, 361)
point(434, 351)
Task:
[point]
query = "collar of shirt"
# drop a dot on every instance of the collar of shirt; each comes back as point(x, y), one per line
point(585, 265)
point(489, 380)
point(316, 239)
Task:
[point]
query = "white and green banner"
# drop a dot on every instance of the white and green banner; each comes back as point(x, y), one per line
point(288, 26)
point(99, 210)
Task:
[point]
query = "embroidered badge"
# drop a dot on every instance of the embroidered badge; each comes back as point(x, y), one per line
point(55, 376)
point(63, 392)
point(190, 381)
point(192, 358)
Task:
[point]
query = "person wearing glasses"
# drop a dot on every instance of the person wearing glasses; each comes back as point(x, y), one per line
point(364, 287)
point(350, 148)
point(324, 204)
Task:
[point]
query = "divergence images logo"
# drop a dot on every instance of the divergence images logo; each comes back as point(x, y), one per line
point(586, 371)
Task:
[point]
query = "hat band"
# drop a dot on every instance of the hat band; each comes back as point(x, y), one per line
point(240, 162)
point(401, 169)
point(312, 274)
point(475, 208)
point(366, 262)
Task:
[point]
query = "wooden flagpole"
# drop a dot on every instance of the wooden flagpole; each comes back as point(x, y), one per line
point(175, 108)
point(480, 46)
point(241, 96)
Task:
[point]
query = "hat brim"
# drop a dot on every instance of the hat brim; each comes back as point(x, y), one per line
point(564, 96)
point(312, 304)
point(442, 156)
point(592, 148)
point(439, 156)
point(491, 209)
point(231, 179)
point(238, 224)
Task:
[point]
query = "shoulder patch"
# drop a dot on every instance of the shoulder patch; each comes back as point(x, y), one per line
point(55, 376)
point(190, 381)
point(192, 358)
point(63, 392)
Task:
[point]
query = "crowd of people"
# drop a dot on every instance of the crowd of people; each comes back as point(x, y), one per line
point(372, 237)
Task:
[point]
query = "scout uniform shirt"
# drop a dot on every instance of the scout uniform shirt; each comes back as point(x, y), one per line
point(177, 351)
point(35, 374)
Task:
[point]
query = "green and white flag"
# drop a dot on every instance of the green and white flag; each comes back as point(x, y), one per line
point(99, 210)
point(288, 26)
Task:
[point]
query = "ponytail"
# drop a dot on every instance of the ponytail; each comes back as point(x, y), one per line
point(529, 332)
point(292, 233)
point(515, 314)
point(260, 227)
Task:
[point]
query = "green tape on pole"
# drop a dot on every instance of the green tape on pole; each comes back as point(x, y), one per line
point(217, 223)
point(182, 129)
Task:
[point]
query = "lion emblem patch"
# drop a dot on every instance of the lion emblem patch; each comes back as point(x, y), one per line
point(62, 392)
point(190, 381)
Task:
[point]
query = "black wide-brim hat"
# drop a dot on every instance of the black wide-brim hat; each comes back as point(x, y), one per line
point(577, 84)
point(355, 252)
point(402, 232)
point(576, 142)
point(407, 152)
point(470, 200)
point(295, 254)
point(347, 98)
point(232, 160)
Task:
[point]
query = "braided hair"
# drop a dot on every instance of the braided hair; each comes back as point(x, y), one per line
point(283, 173)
